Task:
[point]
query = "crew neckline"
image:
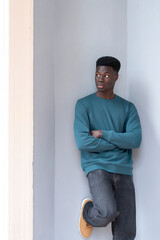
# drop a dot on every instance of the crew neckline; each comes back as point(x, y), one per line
point(103, 99)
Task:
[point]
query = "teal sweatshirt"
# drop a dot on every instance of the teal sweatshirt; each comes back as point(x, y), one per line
point(121, 132)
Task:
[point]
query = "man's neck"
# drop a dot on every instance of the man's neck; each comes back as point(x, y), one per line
point(105, 95)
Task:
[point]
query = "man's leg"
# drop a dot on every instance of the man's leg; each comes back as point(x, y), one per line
point(124, 226)
point(102, 210)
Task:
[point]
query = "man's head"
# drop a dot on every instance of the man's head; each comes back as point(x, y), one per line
point(107, 69)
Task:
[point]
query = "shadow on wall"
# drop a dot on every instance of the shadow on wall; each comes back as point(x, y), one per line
point(150, 142)
point(146, 162)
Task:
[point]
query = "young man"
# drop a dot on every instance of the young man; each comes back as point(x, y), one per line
point(107, 127)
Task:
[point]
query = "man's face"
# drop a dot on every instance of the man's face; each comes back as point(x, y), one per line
point(105, 78)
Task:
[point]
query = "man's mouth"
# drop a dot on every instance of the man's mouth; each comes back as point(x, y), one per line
point(100, 86)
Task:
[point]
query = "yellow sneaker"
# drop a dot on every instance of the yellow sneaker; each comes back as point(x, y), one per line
point(84, 228)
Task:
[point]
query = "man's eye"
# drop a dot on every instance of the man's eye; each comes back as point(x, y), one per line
point(97, 75)
point(106, 76)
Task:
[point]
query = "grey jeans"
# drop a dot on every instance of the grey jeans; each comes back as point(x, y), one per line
point(113, 200)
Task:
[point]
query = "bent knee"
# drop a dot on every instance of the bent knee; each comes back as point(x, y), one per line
point(109, 216)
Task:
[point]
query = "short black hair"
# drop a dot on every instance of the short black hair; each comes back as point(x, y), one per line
point(109, 61)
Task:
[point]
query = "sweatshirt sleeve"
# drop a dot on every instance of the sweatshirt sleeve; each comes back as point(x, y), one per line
point(132, 136)
point(84, 140)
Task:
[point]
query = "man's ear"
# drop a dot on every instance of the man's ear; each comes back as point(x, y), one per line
point(116, 77)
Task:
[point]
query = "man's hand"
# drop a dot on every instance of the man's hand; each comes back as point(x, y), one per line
point(96, 133)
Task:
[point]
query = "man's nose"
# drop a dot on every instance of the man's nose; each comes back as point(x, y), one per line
point(101, 78)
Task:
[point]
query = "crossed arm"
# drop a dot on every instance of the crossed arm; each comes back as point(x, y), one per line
point(84, 140)
point(103, 140)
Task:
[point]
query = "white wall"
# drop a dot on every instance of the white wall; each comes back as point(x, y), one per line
point(20, 119)
point(4, 120)
point(85, 30)
point(69, 37)
point(44, 124)
point(144, 91)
